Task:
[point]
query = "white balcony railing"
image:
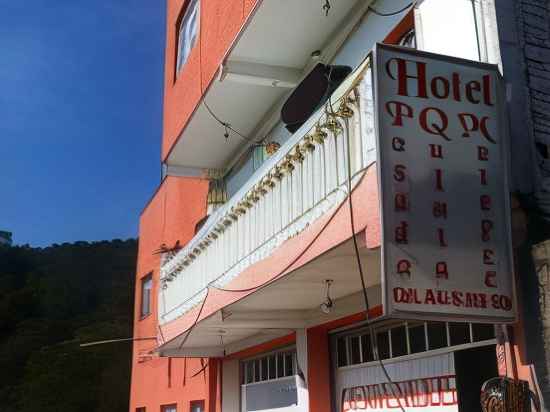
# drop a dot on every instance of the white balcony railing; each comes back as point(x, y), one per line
point(298, 184)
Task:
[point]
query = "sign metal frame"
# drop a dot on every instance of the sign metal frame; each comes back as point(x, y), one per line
point(503, 131)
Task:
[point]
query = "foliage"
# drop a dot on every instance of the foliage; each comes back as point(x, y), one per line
point(51, 300)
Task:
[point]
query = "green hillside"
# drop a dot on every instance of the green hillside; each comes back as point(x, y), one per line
point(51, 300)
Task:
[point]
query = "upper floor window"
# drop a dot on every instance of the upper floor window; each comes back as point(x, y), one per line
point(168, 408)
point(275, 365)
point(188, 28)
point(146, 287)
point(197, 406)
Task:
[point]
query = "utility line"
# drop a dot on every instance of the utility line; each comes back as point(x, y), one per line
point(393, 13)
point(196, 320)
point(374, 344)
point(101, 342)
point(226, 125)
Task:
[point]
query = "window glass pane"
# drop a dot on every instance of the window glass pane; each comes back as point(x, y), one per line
point(483, 331)
point(354, 350)
point(399, 341)
point(272, 367)
point(417, 338)
point(197, 406)
point(249, 372)
point(342, 352)
point(366, 347)
point(264, 369)
point(460, 333)
point(280, 365)
point(146, 286)
point(187, 34)
point(256, 370)
point(289, 369)
point(437, 335)
point(383, 343)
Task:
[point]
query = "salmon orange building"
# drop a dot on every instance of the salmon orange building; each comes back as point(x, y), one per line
point(263, 254)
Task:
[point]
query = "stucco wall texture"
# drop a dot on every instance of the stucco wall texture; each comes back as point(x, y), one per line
point(170, 216)
point(220, 22)
point(177, 206)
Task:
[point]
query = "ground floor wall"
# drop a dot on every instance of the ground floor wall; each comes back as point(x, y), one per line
point(159, 382)
point(447, 376)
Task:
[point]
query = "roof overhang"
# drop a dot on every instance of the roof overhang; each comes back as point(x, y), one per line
point(270, 56)
point(284, 306)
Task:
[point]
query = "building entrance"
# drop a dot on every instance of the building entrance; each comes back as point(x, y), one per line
point(435, 366)
point(473, 367)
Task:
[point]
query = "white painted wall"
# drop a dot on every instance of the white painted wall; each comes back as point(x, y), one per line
point(447, 27)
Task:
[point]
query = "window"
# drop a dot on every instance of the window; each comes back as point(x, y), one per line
point(383, 343)
point(399, 341)
point(342, 352)
point(269, 367)
point(417, 337)
point(197, 406)
point(146, 286)
point(168, 408)
point(142, 409)
point(483, 332)
point(437, 335)
point(459, 333)
point(402, 339)
point(355, 349)
point(188, 28)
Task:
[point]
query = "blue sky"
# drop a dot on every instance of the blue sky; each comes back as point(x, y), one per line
point(81, 116)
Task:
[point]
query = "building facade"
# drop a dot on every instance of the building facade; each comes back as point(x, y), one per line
point(259, 284)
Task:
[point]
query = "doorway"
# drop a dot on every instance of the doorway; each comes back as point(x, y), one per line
point(473, 367)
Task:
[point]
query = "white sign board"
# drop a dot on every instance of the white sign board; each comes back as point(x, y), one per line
point(442, 169)
point(426, 384)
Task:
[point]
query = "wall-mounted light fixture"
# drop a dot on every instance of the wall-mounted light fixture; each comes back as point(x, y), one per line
point(326, 306)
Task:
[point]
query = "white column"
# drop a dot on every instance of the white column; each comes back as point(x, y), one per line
point(230, 386)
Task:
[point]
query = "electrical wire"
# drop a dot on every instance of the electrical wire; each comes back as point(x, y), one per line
point(226, 125)
point(195, 321)
point(393, 13)
point(102, 342)
point(202, 369)
point(326, 7)
point(288, 266)
point(374, 344)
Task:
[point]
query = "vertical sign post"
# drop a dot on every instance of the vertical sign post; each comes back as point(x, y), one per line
point(442, 167)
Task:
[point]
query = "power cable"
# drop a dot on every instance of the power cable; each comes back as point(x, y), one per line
point(393, 13)
point(326, 7)
point(102, 342)
point(226, 125)
point(202, 369)
point(288, 266)
point(195, 321)
point(374, 344)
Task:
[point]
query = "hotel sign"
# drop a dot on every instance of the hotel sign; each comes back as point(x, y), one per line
point(442, 169)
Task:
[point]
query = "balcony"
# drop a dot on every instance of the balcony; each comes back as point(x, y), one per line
point(302, 182)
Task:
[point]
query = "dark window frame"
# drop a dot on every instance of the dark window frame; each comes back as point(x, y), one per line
point(167, 407)
point(197, 402)
point(145, 312)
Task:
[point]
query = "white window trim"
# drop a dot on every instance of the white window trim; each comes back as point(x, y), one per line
point(284, 351)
